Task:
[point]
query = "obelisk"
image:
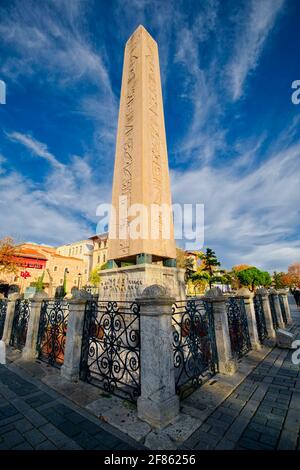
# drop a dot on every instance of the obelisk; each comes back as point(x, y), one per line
point(141, 173)
point(141, 177)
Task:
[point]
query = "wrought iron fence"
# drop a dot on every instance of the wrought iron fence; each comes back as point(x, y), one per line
point(110, 354)
point(282, 307)
point(260, 318)
point(194, 344)
point(20, 323)
point(3, 308)
point(52, 331)
point(238, 326)
point(273, 311)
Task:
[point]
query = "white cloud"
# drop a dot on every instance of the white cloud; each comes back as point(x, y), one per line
point(251, 218)
point(252, 31)
point(60, 208)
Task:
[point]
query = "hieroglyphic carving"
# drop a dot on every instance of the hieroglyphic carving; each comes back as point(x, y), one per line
point(154, 132)
point(126, 175)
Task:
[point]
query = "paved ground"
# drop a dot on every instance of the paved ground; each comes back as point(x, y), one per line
point(32, 418)
point(262, 413)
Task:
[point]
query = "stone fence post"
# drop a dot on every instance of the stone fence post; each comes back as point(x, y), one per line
point(247, 296)
point(277, 308)
point(267, 312)
point(9, 318)
point(30, 351)
point(158, 404)
point(71, 366)
point(227, 362)
point(284, 293)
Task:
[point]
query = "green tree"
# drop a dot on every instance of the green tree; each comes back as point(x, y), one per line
point(94, 274)
point(277, 280)
point(39, 284)
point(210, 265)
point(254, 277)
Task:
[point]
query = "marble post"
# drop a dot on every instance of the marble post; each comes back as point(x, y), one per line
point(251, 318)
point(71, 366)
point(30, 351)
point(10, 311)
point(277, 308)
point(158, 404)
point(284, 293)
point(227, 362)
point(267, 312)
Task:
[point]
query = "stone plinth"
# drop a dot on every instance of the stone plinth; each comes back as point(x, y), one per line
point(129, 282)
point(251, 318)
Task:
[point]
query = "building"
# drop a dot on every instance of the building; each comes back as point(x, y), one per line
point(82, 249)
point(100, 249)
point(41, 261)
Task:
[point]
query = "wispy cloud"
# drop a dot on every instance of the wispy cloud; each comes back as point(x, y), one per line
point(37, 148)
point(253, 28)
point(251, 218)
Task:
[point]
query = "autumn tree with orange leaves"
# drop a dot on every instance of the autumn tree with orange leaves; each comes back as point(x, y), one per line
point(8, 256)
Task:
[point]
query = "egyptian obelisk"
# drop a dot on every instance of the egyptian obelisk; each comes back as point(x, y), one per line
point(141, 175)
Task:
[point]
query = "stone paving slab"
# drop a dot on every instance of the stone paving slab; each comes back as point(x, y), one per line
point(263, 412)
point(31, 418)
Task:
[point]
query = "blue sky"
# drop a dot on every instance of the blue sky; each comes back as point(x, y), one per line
point(233, 133)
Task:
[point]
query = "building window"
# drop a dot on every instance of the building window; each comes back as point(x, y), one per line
point(98, 259)
point(55, 268)
point(104, 258)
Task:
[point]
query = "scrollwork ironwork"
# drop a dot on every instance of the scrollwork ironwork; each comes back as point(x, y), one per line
point(3, 308)
point(20, 323)
point(282, 307)
point(238, 326)
point(194, 344)
point(52, 331)
point(260, 318)
point(273, 311)
point(110, 355)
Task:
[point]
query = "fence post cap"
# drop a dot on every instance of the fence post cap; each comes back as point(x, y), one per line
point(156, 292)
point(244, 292)
point(40, 295)
point(215, 293)
point(262, 291)
point(283, 291)
point(273, 291)
point(14, 296)
point(80, 294)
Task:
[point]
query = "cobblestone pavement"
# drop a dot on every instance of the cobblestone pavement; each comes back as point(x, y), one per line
point(33, 416)
point(263, 413)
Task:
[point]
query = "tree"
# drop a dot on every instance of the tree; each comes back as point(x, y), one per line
point(294, 268)
point(39, 284)
point(8, 253)
point(278, 280)
point(184, 261)
point(210, 264)
point(290, 280)
point(95, 276)
point(254, 277)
